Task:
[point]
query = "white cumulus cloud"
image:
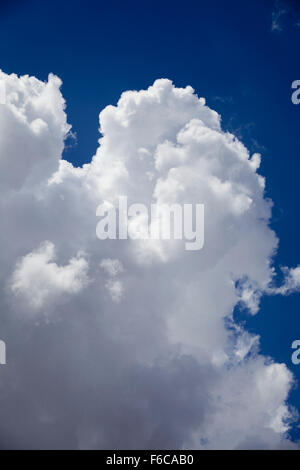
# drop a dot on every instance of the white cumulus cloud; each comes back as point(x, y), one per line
point(140, 348)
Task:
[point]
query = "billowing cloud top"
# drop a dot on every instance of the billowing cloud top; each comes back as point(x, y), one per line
point(131, 343)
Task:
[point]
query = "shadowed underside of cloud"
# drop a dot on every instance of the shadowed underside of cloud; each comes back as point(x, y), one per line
point(132, 344)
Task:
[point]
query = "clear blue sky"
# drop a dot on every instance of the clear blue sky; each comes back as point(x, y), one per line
point(226, 50)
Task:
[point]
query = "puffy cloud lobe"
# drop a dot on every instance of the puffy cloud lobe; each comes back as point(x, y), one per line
point(33, 126)
point(39, 280)
point(291, 282)
point(113, 267)
point(154, 363)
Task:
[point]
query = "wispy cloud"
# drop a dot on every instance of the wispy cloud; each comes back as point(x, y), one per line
point(277, 15)
point(284, 12)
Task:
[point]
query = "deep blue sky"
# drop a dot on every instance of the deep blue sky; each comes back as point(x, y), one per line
point(225, 49)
